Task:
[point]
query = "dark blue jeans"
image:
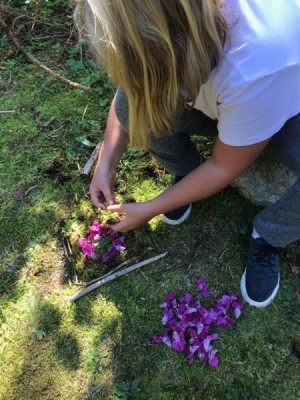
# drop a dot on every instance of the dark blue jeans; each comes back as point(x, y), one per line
point(279, 223)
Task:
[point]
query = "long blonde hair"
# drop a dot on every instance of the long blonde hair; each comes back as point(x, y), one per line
point(158, 51)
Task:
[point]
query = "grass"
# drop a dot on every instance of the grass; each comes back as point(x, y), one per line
point(101, 346)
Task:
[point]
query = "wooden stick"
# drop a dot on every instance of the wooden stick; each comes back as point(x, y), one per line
point(116, 275)
point(40, 64)
point(90, 162)
point(130, 261)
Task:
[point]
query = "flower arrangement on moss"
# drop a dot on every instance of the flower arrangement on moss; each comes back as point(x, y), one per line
point(101, 241)
point(188, 323)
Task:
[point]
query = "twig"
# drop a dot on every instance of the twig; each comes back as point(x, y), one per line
point(116, 275)
point(7, 111)
point(45, 124)
point(90, 162)
point(30, 190)
point(56, 130)
point(68, 253)
point(127, 262)
point(40, 64)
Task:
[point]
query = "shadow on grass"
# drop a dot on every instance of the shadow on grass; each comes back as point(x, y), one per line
point(65, 346)
point(47, 353)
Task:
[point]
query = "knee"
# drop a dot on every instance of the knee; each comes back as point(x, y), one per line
point(121, 108)
point(285, 145)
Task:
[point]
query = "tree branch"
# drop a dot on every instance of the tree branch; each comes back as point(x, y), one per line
point(39, 63)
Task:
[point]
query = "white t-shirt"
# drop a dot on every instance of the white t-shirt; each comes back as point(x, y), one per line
point(256, 87)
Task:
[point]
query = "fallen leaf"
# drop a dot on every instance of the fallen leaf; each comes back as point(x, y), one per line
point(20, 196)
point(295, 269)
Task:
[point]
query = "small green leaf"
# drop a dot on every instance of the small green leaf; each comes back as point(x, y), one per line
point(135, 384)
point(40, 334)
point(104, 102)
point(74, 65)
point(83, 140)
point(286, 296)
point(104, 354)
point(119, 390)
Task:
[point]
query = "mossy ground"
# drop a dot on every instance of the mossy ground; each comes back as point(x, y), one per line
point(53, 349)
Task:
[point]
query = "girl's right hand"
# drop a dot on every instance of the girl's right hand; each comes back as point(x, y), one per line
point(101, 187)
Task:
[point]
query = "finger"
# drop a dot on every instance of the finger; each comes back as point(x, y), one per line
point(95, 199)
point(108, 196)
point(119, 208)
point(120, 227)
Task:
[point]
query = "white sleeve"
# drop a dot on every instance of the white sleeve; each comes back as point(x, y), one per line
point(251, 113)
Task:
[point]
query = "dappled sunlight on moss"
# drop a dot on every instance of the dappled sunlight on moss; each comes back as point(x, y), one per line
point(155, 223)
point(86, 209)
point(18, 323)
point(75, 230)
point(105, 311)
point(146, 190)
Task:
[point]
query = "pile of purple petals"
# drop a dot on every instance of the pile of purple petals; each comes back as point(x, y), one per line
point(188, 323)
point(101, 239)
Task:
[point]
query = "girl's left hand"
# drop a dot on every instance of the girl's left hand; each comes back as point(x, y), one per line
point(136, 214)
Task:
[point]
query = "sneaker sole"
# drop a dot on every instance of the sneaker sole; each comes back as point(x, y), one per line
point(177, 221)
point(253, 303)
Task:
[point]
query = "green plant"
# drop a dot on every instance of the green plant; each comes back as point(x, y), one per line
point(128, 390)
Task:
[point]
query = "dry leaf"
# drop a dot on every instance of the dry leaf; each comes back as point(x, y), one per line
point(295, 269)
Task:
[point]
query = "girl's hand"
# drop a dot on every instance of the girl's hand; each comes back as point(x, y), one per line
point(101, 188)
point(136, 214)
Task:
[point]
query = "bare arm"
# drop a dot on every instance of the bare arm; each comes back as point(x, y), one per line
point(113, 146)
point(223, 167)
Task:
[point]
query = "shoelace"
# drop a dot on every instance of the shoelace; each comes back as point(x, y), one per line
point(264, 254)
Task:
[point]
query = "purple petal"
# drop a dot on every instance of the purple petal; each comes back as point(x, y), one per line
point(157, 339)
point(229, 321)
point(178, 343)
point(82, 241)
point(89, 250)
point(213, 361)
point(186, 299)
point(168, 316)
point(225, 301)
point(112, 251)
point(105, 257)
point(200, 327)
point(190, 358)
point(237, 312)
point(238, 306)
point(118, 247)
point(170, 297)
point(166, 340)
point(203, 287)
point(220, 321)
point(201, 355)
point(192, 350)
point(191, 310)
point(208, 339)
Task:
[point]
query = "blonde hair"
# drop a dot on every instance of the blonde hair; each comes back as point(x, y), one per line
point(158, 51)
